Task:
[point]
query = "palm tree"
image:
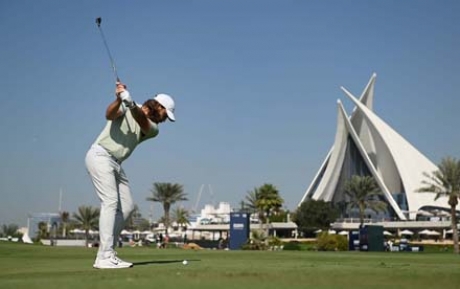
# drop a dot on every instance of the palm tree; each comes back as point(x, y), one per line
point(87, 218)
point(64, 220)
point(268, 200)
point(445, 182)
point(264, 200)
point(250, 200)
point(167, 194)
point(181, 216)
point(42, 230)
point(364, 193)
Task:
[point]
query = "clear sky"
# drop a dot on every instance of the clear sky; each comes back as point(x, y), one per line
point(255, 83)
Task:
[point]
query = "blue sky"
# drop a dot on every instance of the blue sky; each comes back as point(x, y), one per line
point(255, 83)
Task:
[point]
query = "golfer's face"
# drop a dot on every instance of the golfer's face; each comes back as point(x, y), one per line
point(160, 116)
point(162, 113)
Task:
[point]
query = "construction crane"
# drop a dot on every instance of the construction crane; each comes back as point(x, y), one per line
point(200, 193)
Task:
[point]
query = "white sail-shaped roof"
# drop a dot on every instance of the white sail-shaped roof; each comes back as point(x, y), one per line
point(395, 164)
point(367, 98)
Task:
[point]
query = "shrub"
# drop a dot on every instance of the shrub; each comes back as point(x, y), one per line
point(274, 241)
point(292, 246)
point(254, 244)
point(328, 242)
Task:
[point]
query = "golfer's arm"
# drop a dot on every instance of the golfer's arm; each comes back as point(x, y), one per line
point(113, 110)
point(141, 119)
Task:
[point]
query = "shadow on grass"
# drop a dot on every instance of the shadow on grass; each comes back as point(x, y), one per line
point(162, 262)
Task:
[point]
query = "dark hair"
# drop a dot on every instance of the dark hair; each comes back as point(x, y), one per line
point(154, 106)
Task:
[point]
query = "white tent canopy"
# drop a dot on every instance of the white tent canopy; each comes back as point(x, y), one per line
point(77, 231)
point(386, 233)
point(406, 232)
point(429, 233)
point(331, 232)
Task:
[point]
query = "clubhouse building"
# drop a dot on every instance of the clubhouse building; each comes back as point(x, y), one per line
point(367, 146)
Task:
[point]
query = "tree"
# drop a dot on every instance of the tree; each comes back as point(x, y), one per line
point(167, 194)
point(10, 230)
point(315, 214)
point(282, 215)
point(364, 194)
point(87, 218)
point(42, 231)
point(181, 216)
point(445, 182)
point(249, 202)
point(268, 200)
point(64, 220)
point(264, 200)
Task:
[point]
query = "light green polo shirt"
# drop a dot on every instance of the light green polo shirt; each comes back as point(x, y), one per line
point(121, 136)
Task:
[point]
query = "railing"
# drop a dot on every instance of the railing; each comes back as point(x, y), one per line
point(354, 220)
point(353, 223)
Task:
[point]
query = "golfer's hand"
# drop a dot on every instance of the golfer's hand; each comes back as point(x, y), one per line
point(120, 88)
point(124, 95)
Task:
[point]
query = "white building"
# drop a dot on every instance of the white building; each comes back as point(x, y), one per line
point(215, 215)
point(365, 145)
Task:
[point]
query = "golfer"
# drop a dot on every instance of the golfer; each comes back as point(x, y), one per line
point(128, 124)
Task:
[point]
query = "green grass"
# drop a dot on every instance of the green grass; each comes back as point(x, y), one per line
point(35, 267)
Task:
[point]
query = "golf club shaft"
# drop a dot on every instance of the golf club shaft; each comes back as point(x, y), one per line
point(112, 62)
point(98, 22)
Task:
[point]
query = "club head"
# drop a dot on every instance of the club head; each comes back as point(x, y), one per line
point(98, 21)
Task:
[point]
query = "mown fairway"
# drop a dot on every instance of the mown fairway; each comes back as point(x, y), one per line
point(35, 267)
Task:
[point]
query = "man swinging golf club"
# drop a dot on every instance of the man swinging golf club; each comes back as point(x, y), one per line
point(128, 124)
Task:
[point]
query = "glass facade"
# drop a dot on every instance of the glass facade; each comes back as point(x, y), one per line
point(354, 164)
point(33, 220)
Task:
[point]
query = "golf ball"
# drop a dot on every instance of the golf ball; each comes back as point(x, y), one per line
point(185, 262)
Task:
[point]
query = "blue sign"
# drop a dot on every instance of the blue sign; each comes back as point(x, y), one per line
point(239, 230)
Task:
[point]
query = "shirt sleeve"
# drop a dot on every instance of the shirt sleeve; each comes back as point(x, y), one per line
point(153, 131)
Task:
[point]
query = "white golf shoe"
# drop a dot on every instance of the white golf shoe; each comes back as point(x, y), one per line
point(112, 262)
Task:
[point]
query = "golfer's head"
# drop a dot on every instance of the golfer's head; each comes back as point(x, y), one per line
point(160, 108)
point(167, 103)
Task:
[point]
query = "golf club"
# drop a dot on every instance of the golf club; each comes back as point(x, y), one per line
point(98, 22)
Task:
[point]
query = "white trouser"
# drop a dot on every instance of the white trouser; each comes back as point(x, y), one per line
point(112, 188)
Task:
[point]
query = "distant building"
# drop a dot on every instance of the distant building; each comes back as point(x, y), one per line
point(52, 221)
point(367, 146)
point(214, 223)
point(215, 215)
